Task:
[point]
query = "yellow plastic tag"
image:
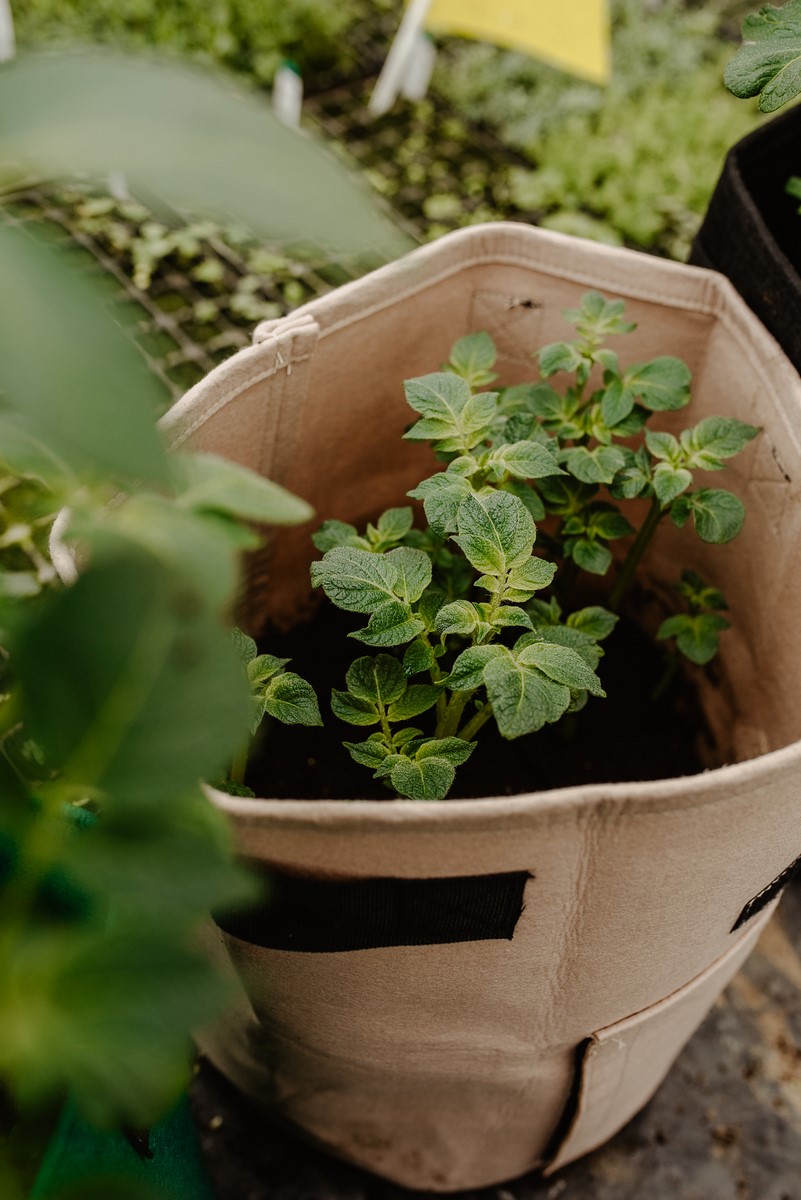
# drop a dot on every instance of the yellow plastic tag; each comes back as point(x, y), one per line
point(571, 34)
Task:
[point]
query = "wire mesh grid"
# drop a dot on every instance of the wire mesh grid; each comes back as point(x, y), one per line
point(438, 170)
point(183, 324)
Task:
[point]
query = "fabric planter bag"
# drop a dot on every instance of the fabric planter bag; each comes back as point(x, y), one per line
point(752, 229)
point(477, 988)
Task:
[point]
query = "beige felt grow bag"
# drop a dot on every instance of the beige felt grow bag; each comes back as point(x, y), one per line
point(455, 1064)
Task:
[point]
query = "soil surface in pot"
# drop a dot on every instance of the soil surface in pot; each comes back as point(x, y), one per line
point(624, 737)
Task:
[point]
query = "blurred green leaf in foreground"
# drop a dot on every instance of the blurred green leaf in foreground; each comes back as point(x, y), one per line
point(121, 690)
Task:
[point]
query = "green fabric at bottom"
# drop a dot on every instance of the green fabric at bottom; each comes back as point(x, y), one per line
point(83, 1163)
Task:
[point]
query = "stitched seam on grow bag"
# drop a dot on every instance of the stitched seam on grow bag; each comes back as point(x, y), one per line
point(230, 395)
point(330, 916)
point(767, 894)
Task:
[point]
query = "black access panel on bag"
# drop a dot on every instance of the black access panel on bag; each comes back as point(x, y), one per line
point(326, 916)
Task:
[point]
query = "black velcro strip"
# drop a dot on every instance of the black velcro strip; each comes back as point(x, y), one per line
point(766, 895)
point(325, 916)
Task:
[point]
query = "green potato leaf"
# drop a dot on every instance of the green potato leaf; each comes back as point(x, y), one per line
point(392, 624)
point(768, 63)
point(496, 532)
point(523, 699)
point(718, 515)
point(290, 699)
point(376, 679)
point(473, 357)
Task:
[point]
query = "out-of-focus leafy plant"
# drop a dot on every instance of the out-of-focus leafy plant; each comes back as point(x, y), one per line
point(119, 692)
point(243, 35)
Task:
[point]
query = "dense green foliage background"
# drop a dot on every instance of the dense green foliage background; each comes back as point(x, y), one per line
point(632, 163)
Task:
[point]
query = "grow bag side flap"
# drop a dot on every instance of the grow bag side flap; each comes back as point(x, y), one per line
point(623, 1065)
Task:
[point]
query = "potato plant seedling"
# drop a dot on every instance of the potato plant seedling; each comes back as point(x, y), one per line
point(472, 615)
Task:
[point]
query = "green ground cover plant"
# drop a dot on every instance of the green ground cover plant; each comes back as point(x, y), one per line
point(474, 615)
point(324, 37)
point(632, 163)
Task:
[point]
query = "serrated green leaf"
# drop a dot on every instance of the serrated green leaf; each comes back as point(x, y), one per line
point(460, 617)
point(452, 415)
point(392, 624)
point(338, 533)
point(582, 643)
point(697, 635)
point(508, 617)
point(440, 396)
point(680, 511)
point(468, 669)
point(608, 523)
point(473, 357)
point(525, 460)
point(290, 699)
point(635, 476)
point(245, 647)
point(594, 620)
point(670, 482)
point(496, 531)
point(617, 402)
point(598, 317)
point(453, 749)
point(522, 698)
point(442, 494)
point(661, 385)
point(715, 439)
point(263, 667)
point(663, 445)
point(769, 62)
point(559, 356)
point(402, 737)
point(378, 678)
point(367, 754)
point(413, 571)
point(417, 698)
point(417, 658)
point(590, 555)
point(428, 779)
point(394, 524)
point(598, 465)
point(561, 664)
point(354, 579)
point(352, 709)
point(718, 515)
point(530, 577)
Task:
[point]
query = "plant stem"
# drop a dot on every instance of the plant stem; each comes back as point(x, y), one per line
point(449, 724)
point(239, 763)
point(474, 724)
point(632, 561)
point(668, 676)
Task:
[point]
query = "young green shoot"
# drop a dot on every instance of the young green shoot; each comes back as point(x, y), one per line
point(467, 612)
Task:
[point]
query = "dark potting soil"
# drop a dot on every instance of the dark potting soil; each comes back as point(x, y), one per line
point(623, 737)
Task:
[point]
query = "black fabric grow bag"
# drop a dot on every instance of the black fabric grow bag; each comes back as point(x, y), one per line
point(752, 229)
